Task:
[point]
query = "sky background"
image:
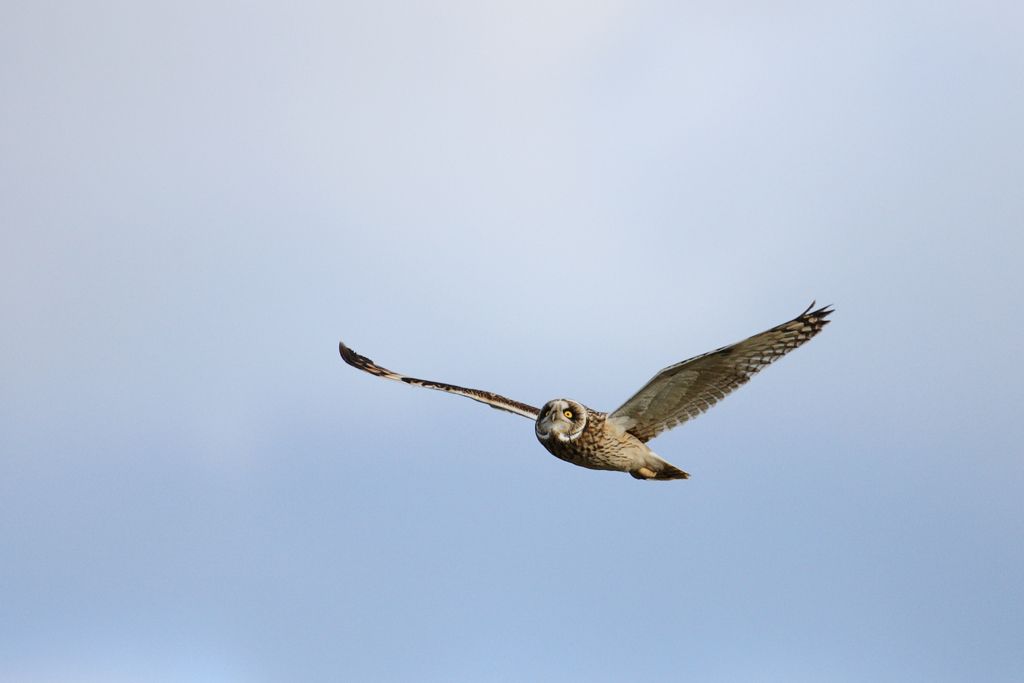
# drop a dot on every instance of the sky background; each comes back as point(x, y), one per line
point(544, 199)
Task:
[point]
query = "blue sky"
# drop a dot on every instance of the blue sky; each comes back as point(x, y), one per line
point(544, 200)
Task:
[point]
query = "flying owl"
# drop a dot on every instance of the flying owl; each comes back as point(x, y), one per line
point(618, 440)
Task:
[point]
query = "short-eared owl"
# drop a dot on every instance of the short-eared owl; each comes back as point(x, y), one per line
point(618, 440)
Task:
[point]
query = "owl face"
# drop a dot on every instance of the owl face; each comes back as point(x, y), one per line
point(562, 419)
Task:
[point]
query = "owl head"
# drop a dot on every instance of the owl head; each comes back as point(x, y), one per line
point(562, 419)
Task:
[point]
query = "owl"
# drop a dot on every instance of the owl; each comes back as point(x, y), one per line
point(617, 440)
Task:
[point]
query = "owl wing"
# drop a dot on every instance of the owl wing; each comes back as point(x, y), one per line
point(685, 390)
point(493, 400)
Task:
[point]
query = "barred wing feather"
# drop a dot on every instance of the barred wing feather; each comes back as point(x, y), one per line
point(685, 390)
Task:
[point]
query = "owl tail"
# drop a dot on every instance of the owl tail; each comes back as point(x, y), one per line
point(658, 469)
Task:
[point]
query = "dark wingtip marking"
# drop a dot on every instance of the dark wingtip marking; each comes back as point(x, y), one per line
point(353, 358)
point(347, 354)
point(817, 318)
point(824, 311)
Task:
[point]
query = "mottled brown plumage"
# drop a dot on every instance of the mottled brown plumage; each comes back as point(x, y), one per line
point(593, 442)
point(685, 390)
point(680, 392)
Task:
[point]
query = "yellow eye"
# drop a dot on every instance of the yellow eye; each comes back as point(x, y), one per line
point(567, 413)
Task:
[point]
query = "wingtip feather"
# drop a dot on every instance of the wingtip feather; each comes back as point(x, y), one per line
point(346, 353)
point(354, 359)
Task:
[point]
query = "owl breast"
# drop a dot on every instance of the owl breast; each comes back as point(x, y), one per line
point(598, 446)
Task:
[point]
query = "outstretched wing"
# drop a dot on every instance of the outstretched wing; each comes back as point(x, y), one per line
point(685, 390)
point(493, 400)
